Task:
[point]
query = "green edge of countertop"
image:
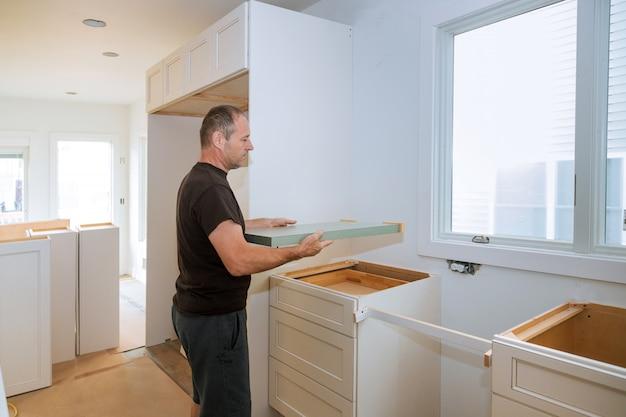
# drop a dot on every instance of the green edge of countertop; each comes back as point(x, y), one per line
point(292, 235)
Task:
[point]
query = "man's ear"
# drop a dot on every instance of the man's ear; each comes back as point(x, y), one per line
point(218, 139)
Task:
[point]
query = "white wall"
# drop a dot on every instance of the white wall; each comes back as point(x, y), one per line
point(392, 56)
point(137, 128)
point(39, 119)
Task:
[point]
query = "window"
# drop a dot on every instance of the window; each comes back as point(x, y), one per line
point(84, 180)
point(12, 185)
point(504, 169)
point(529, 137)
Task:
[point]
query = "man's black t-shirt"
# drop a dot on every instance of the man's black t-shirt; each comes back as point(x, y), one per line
point(204, 285)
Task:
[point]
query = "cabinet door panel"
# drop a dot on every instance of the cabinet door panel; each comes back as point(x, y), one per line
point(231, 42)
point(560, 387)
point(321, 354)
point(295, 395)
point(154, 87)
point(201, 61)
point(25, 315)
point(175, 69)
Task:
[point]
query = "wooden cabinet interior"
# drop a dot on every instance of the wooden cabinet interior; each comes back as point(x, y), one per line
point(356, 278)
point(594, 331)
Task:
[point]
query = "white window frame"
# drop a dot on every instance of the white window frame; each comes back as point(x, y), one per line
point(55, 138)
point(585, 257)
point(19, 142)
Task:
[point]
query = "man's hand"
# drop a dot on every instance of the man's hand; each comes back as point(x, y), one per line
point(312, 245)
point(265, 223)
point(281, 222)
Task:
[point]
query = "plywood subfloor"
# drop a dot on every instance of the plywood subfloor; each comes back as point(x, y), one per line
point(106, 384)
point(132, 315)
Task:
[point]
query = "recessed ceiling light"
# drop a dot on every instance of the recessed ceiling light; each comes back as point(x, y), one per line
point(95, 23)
point(110, 54)
point(71, 93)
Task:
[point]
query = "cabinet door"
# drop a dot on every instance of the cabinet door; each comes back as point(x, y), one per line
point(230, 37)
point(323, 355)
point(201, 61)
point(25, 315)
point(295, 395)
point(154, 87)
point(557, 386)
point(176, 75)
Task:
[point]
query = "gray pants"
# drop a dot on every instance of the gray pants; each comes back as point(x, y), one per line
point(217, 350)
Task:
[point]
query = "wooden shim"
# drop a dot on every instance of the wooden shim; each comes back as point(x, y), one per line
point(399, 224)
point(487, 358)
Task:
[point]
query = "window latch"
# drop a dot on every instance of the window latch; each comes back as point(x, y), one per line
point(480, 239)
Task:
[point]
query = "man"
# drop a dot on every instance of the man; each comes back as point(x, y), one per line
point(215, 264)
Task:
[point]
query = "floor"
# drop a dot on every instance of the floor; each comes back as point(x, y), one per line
point(129, 381)
point(132, 314)
point(104, 384)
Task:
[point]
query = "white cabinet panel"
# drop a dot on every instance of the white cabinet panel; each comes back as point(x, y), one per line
point(201, 61)
point(321, 354)
point(230, 35)
point(98, 288)
point(154, 87)
point(25, 315)
point(295, 395)
point(176, 75)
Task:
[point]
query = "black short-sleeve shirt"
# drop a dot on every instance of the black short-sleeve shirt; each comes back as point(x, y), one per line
point(204, 285)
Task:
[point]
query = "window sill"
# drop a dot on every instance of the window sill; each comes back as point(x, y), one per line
point(599, 267)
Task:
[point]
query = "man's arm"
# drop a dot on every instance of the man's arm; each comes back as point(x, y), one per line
point(243, 258)
point(264, 222)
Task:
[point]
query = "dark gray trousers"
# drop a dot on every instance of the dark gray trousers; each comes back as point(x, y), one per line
point(217, 351)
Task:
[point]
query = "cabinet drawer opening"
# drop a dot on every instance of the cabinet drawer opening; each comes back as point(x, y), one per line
point(355, 277)
point(594, 331)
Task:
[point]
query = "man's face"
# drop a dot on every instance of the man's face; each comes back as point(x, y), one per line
point(237, 147)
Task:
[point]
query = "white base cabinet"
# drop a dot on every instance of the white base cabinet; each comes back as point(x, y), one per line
point(570, 361)
point(320, 357)
point(25, 315)
point(98, 299)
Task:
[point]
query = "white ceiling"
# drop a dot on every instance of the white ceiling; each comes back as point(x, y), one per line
point(46, 50)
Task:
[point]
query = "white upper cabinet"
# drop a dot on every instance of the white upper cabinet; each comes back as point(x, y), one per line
point(201, 61)
point(154, 87)
point(176, 75)
point(217, 54)
point(231, 42)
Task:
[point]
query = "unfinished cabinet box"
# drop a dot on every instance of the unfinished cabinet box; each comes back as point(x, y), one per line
point(318, 350)
point(569, 361)
point(98, 287)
